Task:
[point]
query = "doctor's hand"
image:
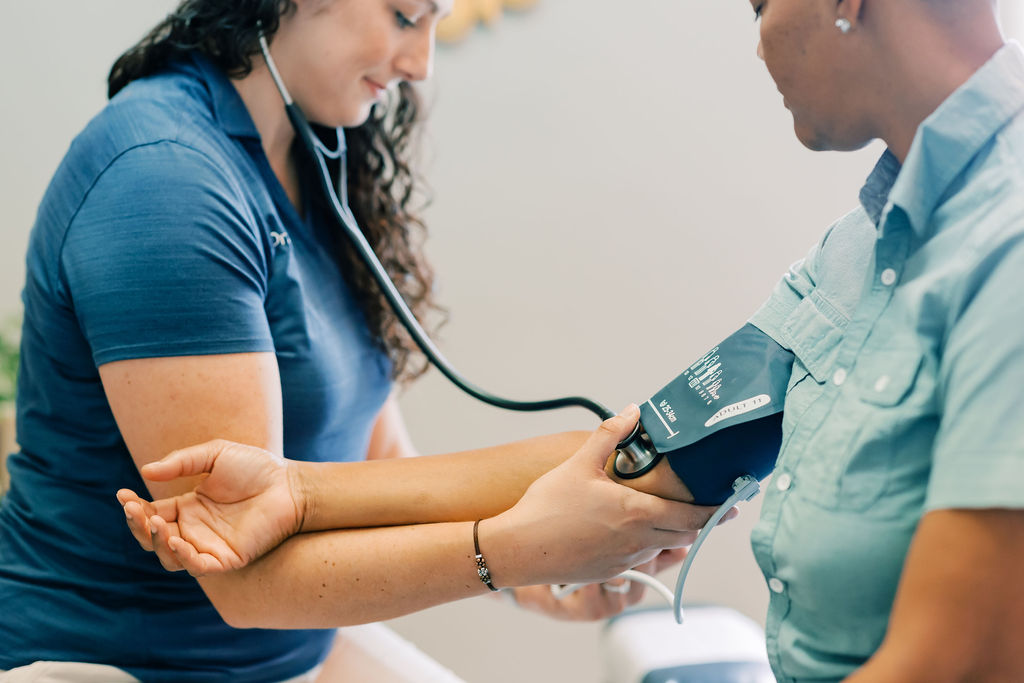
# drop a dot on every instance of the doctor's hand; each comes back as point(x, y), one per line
point(594, 601)
point(576, 525)
point(247, 504)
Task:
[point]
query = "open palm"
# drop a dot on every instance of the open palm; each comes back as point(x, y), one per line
point(243, 508)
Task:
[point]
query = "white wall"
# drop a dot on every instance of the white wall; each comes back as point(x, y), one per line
point(617, 187)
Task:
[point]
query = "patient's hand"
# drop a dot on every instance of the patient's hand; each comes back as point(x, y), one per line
point(248, 503)
point(661, 481)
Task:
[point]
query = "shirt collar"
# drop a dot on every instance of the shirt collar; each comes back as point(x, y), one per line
point(231, 113)
point(228, 108)
point(875, 192)
point(947, 141)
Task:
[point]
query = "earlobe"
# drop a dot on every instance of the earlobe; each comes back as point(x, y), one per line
point(850, 10)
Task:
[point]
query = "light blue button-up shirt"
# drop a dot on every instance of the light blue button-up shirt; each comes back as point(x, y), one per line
point(907, 322)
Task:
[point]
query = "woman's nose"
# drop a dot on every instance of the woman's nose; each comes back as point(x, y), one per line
point(416, 60)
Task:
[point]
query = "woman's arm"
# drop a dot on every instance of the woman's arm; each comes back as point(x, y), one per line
point(161, 404)
point(435, 488)
point(254, 473)
point(165, 403)
point(574, 524)
point(959, 611)
point(390, 439)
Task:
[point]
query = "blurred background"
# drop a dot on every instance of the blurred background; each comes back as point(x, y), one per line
point(616, 188)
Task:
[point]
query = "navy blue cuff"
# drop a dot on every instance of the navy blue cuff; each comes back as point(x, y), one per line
point(709, 466)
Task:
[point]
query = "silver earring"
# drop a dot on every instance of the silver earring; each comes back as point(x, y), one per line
point(843, 25)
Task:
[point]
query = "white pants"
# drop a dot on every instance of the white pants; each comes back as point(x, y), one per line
point(66, 672)
point(360, 653)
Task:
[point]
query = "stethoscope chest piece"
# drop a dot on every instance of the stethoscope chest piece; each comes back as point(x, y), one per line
point(636, 455)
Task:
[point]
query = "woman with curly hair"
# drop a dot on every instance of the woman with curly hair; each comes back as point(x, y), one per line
point(184, 283)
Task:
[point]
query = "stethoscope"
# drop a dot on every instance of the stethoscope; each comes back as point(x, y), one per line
point(634, 456)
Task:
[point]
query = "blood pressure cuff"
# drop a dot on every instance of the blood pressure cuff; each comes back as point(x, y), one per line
point(722, 418)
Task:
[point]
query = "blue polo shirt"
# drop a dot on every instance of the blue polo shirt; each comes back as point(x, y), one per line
point(164, 233)
point(907, 322)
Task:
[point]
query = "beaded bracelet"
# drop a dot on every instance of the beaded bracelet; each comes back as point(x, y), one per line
point(481, 564)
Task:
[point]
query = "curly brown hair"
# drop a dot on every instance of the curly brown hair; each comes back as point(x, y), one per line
point(383, 190)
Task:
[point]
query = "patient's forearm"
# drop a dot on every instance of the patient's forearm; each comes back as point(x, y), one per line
point(438, 488)
point(452, 487)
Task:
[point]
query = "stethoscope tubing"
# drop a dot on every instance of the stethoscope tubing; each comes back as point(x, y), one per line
point(345, 219)
point(343, 215)
point(338, 205)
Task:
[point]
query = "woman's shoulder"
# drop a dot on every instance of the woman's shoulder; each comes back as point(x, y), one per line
point(136, 155)
point(154, 163)
point(158, 136)
point(170, 107)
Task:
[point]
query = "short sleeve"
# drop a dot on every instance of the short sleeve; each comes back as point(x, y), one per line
point(978, 458)
point(795, 284)
point(834, 269)
point(164, 258)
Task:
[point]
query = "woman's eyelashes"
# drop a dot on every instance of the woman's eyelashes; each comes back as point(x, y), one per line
point(403, 21)
point(757, 11)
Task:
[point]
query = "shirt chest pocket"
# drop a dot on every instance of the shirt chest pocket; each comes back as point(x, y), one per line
point(868, 439)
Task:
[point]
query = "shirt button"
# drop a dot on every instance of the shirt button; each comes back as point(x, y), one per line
point(776, 585)
point(784, 481)
point(888, 277)
point(881, 383)
point(839, 377)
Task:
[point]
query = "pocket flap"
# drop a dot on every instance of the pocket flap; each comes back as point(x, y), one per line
point(814, 336)
point(886, 380)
